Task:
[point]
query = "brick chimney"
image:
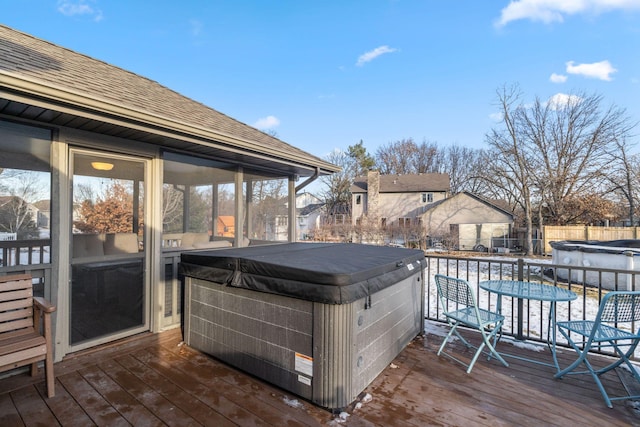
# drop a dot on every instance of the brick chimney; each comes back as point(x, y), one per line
point(373, 195)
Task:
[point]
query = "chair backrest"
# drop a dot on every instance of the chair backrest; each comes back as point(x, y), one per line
point(456, 290)
point(16, 303)
point(620, 307)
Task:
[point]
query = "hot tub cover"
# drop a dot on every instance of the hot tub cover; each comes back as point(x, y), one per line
point(330, 273)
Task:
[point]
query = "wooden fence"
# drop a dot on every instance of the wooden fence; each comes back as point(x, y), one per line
point(554, 233)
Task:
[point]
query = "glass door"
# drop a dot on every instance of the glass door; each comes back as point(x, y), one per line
point(108, 295)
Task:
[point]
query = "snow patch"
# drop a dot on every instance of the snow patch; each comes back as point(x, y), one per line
point(294, 403)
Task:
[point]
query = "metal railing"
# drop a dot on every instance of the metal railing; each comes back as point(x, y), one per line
point(527, 319)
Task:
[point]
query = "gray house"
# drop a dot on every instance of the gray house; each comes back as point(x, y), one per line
point(422, 206)
point(396, 200)
point(468, 222)
point(135, 174)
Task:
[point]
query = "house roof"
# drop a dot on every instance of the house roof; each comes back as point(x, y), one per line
point(410, 183)
point(473, 196)
point(309, 209)
point(47, 83)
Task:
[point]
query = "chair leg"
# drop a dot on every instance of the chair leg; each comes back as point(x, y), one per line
point(492, 350)
point(446, 339)
point(582, 358)
point(48, 370)
point(486, 342)
point(475, 357)
point(34, 369)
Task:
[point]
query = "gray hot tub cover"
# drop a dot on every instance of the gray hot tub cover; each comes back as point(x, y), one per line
point(330, 273)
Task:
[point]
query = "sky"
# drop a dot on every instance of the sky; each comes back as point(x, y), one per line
point(324, 75)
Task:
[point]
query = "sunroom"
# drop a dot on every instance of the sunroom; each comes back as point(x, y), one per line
point(106, 177)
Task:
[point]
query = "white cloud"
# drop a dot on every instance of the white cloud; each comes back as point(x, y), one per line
point(561, 100)
point(373, 54)
point(268, 122)
point(548, 11)
point(79, 7)
point(598, 70)
point(557, 78)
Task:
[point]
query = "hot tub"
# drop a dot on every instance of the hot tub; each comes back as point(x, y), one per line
point(320, 320)
point(590, 255)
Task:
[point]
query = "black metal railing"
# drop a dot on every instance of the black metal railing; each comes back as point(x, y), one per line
point(525, 319)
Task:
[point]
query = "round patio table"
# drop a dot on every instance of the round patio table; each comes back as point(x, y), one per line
point(531, 291)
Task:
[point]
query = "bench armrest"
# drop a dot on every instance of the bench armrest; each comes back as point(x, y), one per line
point(44, 305)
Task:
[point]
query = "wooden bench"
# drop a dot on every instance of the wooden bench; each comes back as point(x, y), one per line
point(25, 328)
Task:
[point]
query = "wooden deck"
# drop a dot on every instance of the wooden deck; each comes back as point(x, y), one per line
point(154, 380)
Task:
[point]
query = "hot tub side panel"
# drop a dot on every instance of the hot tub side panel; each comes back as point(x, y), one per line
point(353, 343)
point(269, 336)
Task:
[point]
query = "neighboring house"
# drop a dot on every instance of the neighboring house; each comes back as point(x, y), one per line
point(468, 222)
point(396, 200)
point(44, 214)
point(88, 132)
point(422, 205)
point(338, 214)
point(226, 226)
point(309, 211)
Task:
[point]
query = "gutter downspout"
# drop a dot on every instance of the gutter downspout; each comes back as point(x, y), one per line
point(312, 178)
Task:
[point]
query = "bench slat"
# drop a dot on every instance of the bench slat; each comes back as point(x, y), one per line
point(16, 294)
point(20, 343)
point(19, 358)
point(17, 314)
point(13, 305)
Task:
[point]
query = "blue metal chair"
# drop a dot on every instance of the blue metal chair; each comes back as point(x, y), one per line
point(465, 312)
point(617, 308)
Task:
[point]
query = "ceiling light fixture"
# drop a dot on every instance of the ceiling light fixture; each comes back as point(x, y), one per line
point(102, 166)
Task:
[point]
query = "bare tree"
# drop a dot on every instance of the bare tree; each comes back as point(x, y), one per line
point(550, 153)
point(508, 162)
point(570, 141)
point(406, 157)
point(337, 191)
point(396, 157)
point(464, 167)
point(22, 188)
point(172, 207)
point(624, 176)
point(427, 158)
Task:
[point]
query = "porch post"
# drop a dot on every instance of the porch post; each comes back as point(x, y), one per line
point(293, 235)
point(239, 223)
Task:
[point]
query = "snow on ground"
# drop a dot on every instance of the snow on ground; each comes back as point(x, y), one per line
point(536, 314)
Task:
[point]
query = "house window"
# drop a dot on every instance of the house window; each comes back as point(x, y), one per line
point(190, 198)
point(417, 222)
point(404, 222)
point(427, 197)
point(339, 218)
point(358, 199)
point(25, 195)
point(282, 221)
point(383, 223)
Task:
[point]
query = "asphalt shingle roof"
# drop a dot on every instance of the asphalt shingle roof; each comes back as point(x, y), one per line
point(44, 63)
point(410, 183)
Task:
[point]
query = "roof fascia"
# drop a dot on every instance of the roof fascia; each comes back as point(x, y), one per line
point(28, 91)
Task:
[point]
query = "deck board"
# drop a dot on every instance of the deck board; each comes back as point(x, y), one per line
point(156, 380)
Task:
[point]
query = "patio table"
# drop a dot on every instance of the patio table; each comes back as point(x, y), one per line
point(531, 291)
